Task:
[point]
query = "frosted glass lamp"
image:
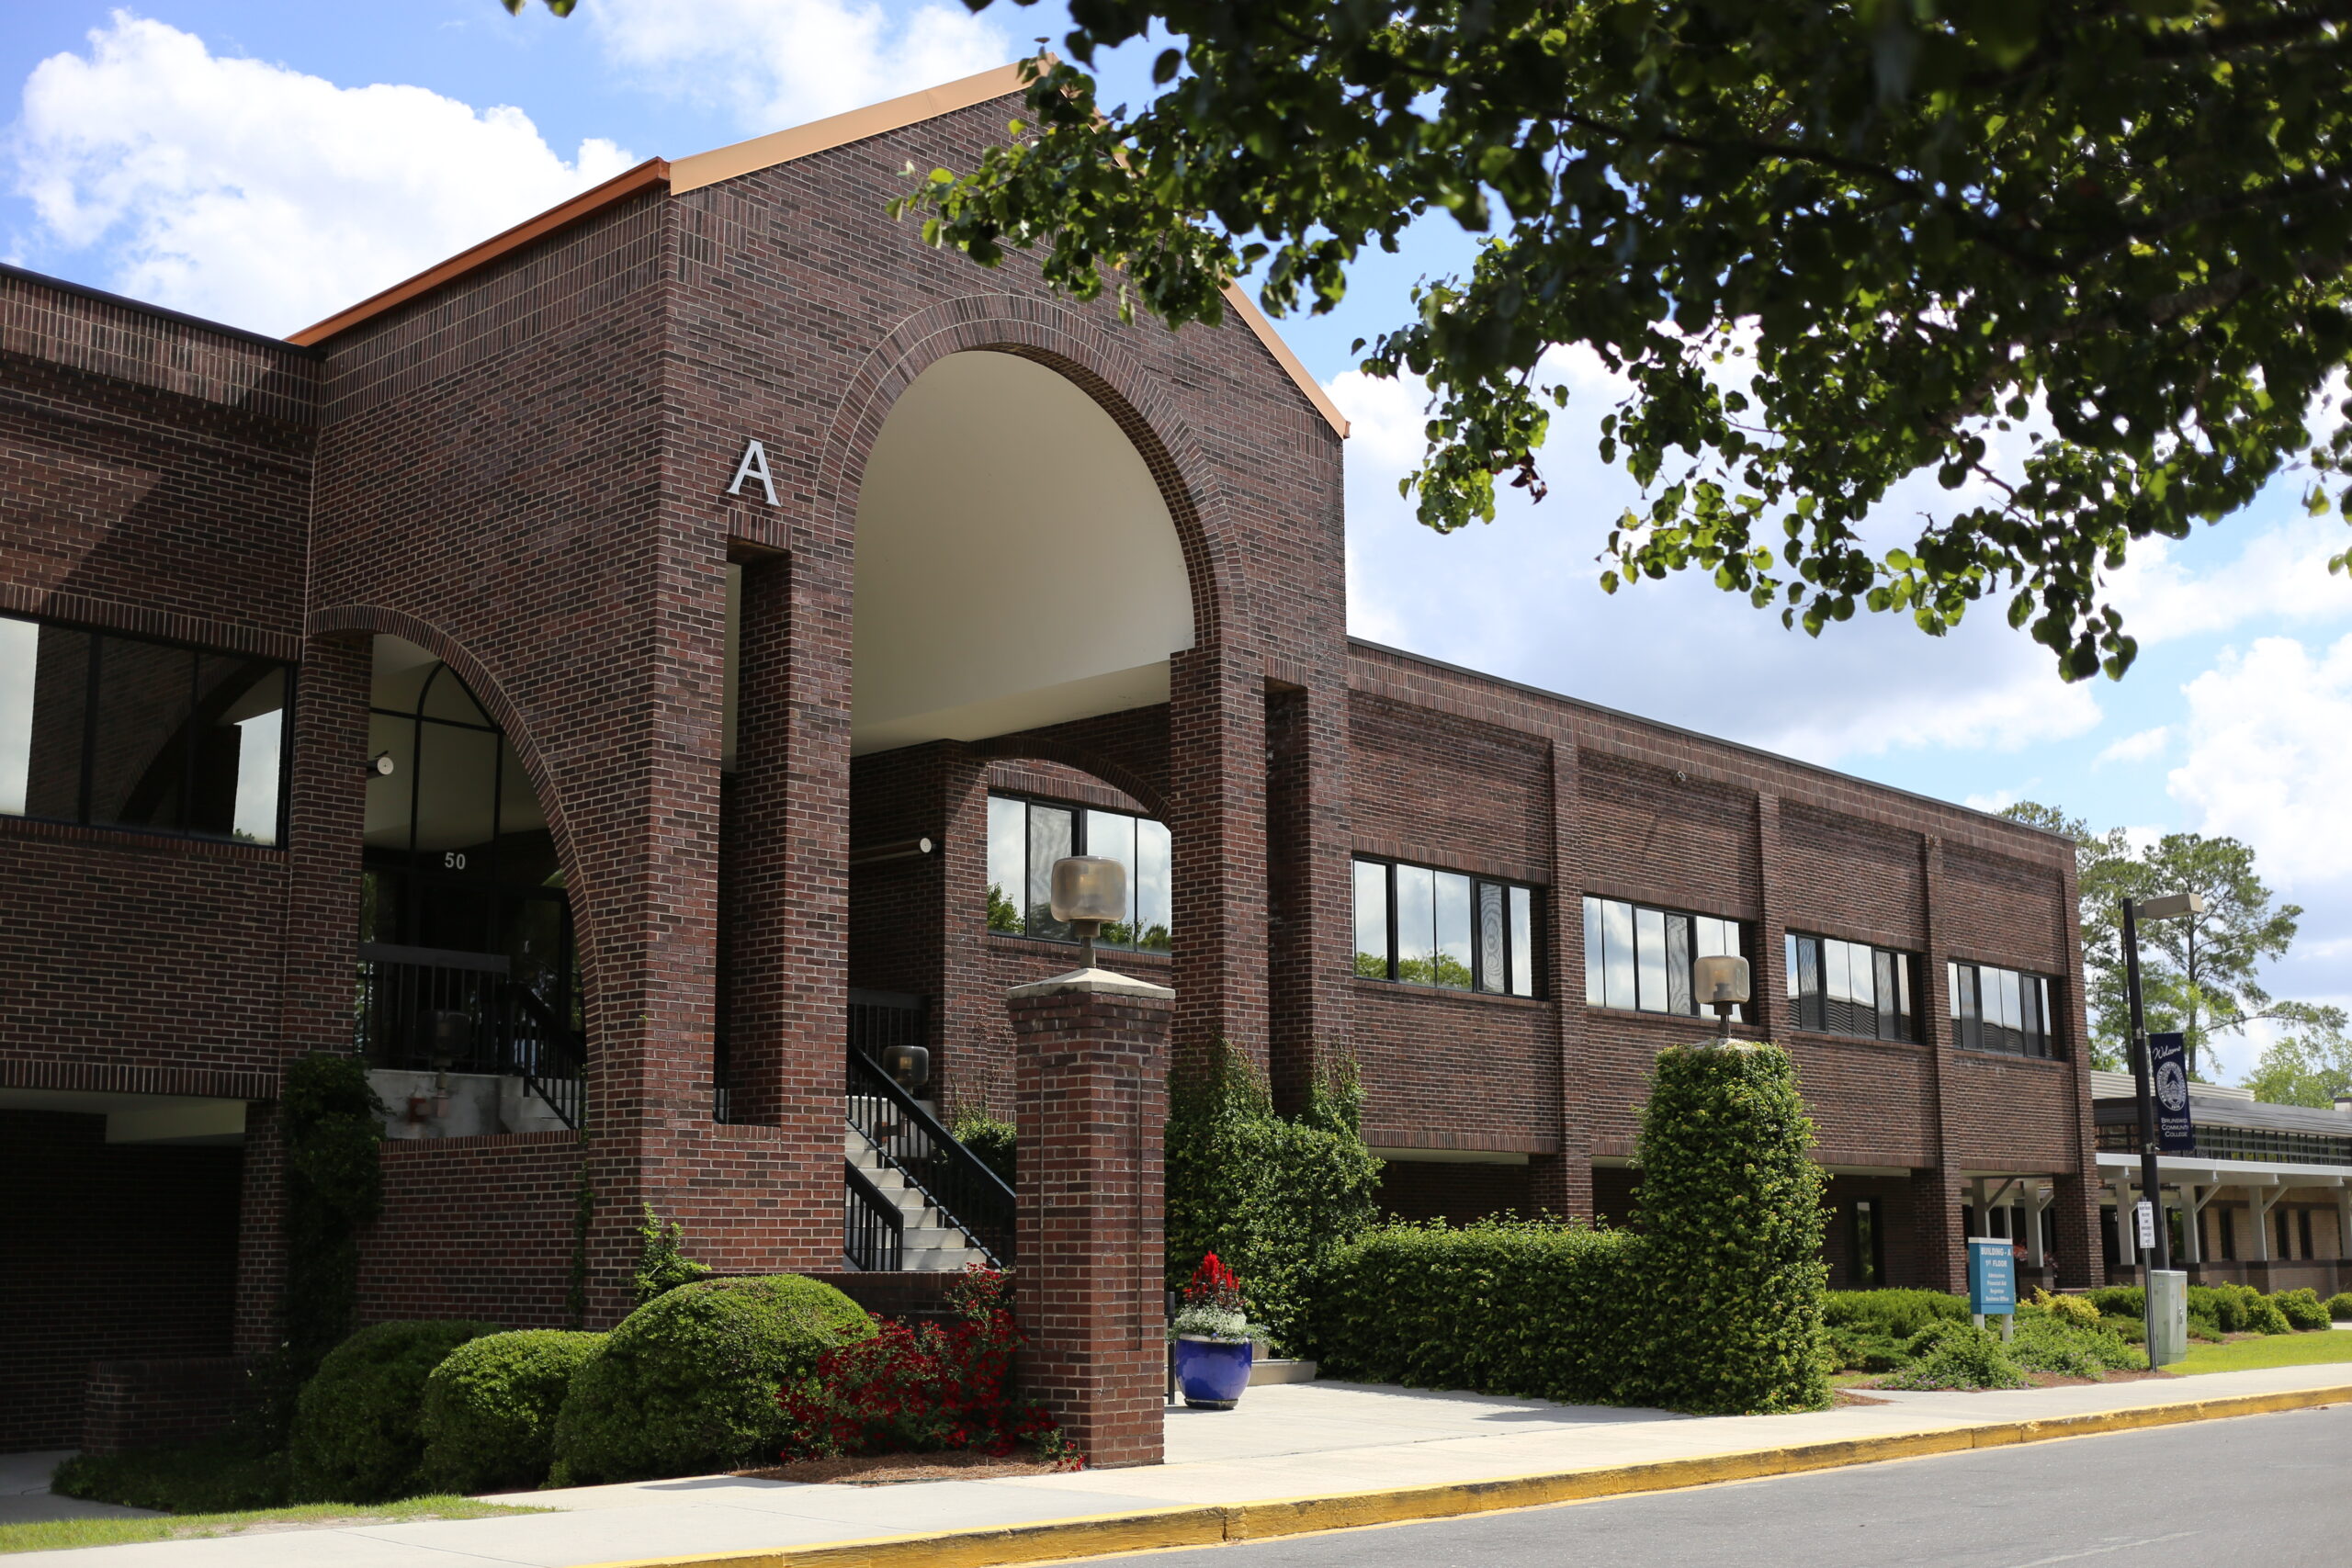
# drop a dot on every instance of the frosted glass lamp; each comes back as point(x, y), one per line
point(1720, 982)
point(1089, 892)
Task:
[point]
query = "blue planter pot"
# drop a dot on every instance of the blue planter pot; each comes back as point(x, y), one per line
point(1212, 1373)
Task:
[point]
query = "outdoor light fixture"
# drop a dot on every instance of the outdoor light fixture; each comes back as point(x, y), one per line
point(381, 764)
point(1720, 982)
point(1089, 892)
point(910, 1066)
point(2172, 905)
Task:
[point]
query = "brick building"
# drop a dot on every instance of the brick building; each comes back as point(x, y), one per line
point(473, 680)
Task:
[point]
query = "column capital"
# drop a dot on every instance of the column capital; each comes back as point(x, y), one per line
point(1093, 983)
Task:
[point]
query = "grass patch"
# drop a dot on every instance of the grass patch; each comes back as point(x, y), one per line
point(2314, 1348)
point(59, 1535)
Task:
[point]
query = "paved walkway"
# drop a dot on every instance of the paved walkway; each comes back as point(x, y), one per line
point(1284, 1441)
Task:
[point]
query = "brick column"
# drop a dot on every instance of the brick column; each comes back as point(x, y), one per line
point(1089, 1099)
point(1942, 1249)
point(1216, 744)
point(1562, 1183)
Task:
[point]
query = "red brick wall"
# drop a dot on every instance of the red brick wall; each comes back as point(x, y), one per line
point(109, 1252)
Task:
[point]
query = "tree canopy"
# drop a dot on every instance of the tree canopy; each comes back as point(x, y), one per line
point(2197, 973)
point(2309, 1063)
point(2083, 262)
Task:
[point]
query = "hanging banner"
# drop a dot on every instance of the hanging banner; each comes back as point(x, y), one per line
point(2168, 1080)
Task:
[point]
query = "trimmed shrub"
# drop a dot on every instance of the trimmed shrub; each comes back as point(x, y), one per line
point(2339, 1305)
point(2066, 1309)
point(2302, 1308)
point(355, 1438)
point(1730, 1215)
point(688, 1382)
point(993, 1143)
point(212, 1475)
point(1959, 1356)
point(2263, 1317)
point(2120, 1301)
point(1539, 1310)
point(2054, 1342)
point(1893, 1314)
point(1275, 1196)
point(2133, 1330)
point(490, 1409)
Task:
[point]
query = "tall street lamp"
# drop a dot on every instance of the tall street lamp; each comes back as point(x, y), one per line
point(2172, 905)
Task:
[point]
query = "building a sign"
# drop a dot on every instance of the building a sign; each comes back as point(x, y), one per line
point(753, 465)
point(2168, 1081)
point(1992, 1277)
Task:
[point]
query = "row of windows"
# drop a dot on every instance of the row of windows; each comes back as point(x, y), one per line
point(1849, 987)
point(1641, 958)
point(125, 732)
point(2000, 1009)
point(1026, 837)
point(1424, 927)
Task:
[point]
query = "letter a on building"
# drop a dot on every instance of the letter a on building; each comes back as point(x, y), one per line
point(753, 466)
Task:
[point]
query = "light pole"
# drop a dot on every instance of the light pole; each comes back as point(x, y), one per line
point(2170, 907)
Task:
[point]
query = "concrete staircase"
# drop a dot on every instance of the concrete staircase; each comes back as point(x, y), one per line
point(930, 1242)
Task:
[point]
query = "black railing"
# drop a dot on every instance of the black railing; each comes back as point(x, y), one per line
point(424, 1009)
point(879, 1020)
point(969, 1195)
point(873, 1231)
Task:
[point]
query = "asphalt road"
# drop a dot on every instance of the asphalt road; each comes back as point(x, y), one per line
point(2256, 1492)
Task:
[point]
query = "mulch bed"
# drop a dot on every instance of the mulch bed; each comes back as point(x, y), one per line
point(897, 1470)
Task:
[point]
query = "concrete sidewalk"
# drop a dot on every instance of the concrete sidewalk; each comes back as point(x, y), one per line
point(1293, 1441)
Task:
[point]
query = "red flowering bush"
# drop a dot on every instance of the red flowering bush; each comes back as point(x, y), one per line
point(1213, 1285)
point(924, 1388)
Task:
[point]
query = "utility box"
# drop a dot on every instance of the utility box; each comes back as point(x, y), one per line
point(2168, 1316)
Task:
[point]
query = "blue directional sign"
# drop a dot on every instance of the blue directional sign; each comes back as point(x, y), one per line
point(1992, 1275)
point(2168, 1081)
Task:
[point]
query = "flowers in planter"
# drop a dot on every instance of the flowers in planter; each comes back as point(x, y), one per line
point(922, 1388)
point(1212, 1306)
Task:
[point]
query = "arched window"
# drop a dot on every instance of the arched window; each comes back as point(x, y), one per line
point(460, 867)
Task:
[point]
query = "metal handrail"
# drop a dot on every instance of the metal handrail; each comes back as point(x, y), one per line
point(422, 1008)
point(968, 1194)
point(872, 1230)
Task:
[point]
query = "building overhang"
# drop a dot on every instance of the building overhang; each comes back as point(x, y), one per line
point(2198, 1171)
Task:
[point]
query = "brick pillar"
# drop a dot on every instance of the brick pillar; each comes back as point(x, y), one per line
point(1216, 745)
point(1089, 1099)
point(1942, 1248)
point(2082, 1262)
point(1561, 1183)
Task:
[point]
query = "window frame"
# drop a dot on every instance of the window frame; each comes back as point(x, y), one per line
point(1910, 974)
point(1666, 915)
point(1967, 1029)
point(1536, 991)
point(1078, 837)
point(92, 709)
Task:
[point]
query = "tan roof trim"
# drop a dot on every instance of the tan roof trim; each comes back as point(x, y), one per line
point(766, 153)
point(653, 171)
point(841, 129)
point(1248, 310)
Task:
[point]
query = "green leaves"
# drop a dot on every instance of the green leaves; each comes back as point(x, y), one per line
point(2085, 265)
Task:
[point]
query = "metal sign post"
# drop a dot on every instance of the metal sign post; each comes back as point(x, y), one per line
point(2151, 1184)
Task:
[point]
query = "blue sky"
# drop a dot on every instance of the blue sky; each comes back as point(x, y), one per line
point(265, 162)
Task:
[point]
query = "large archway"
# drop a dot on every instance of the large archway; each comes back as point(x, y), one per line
point(1017, 564)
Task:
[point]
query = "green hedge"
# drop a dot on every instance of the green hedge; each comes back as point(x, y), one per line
point(1730, 1210)
point(689, 1381)
point(1272, 1196)
point(356, 1436)
point(1714, 1305)
point(1501, 1307)
point(489, 1409)
point(1897, 1314)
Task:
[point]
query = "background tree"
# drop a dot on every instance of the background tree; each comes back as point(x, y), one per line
point(2083, 263)
point(2198, 975)
point(2309, 1063)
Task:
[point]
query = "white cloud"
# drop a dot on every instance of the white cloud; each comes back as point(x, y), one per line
point(2140, 747)
point(257, 195)
point(773, 63)
point(2269, 751)
point(1995, 800)
point(2282, 572)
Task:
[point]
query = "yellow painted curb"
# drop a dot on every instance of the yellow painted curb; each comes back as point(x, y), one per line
point(1158, 1530)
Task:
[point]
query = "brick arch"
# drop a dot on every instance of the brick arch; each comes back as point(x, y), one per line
point(347, 620)
point(1084, 759)
point(1046, 334)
